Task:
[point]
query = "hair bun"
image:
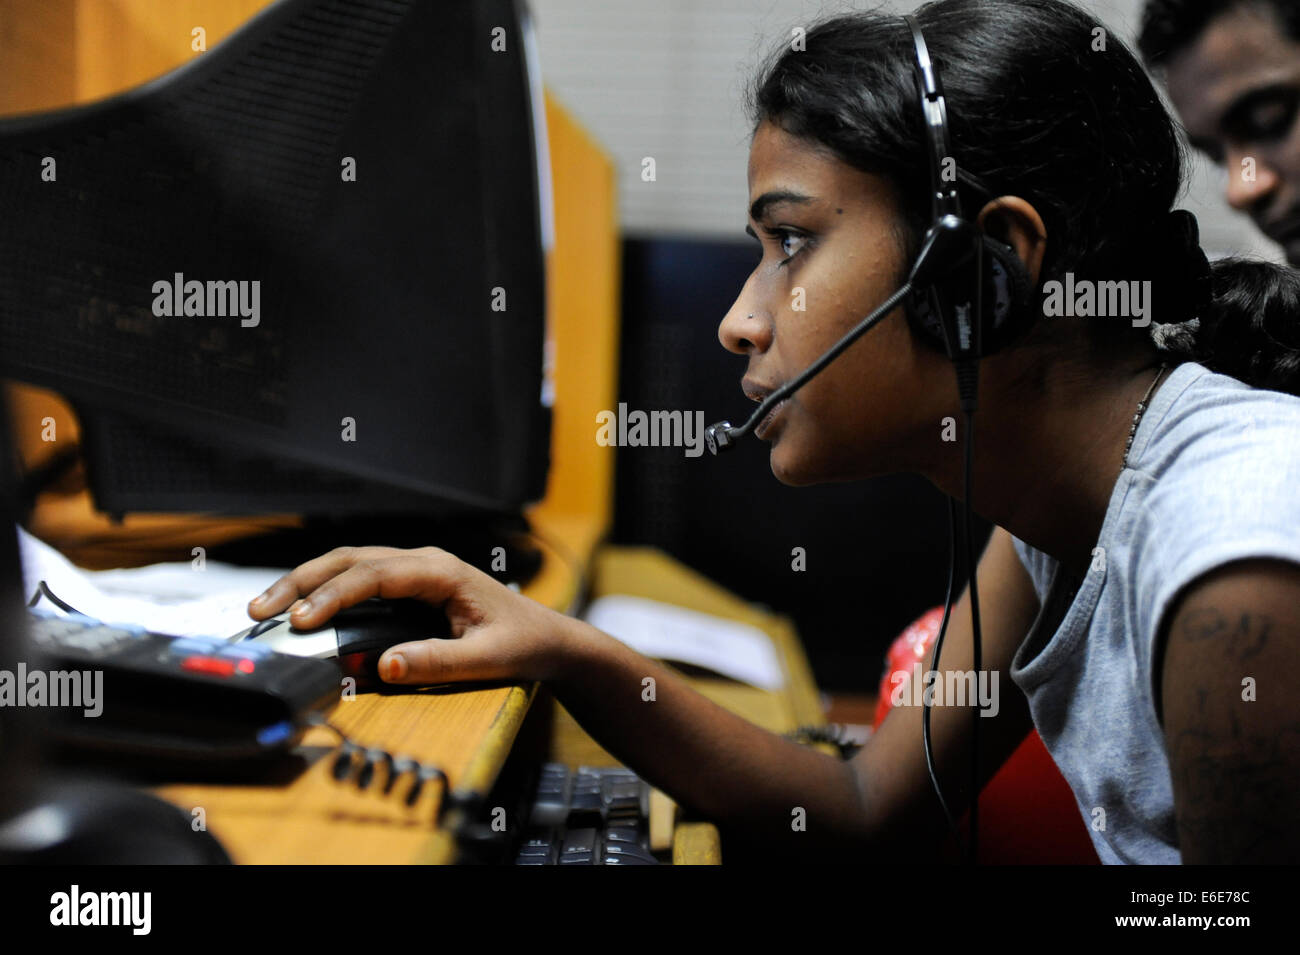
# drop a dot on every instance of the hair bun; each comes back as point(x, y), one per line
point(1186, 268)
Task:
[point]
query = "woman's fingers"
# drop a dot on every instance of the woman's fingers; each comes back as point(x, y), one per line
point(303, 579)
point(427, 578)
point(349, 575)
point(501, 635)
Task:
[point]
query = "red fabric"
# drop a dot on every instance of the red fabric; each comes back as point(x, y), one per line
point(1027, 812)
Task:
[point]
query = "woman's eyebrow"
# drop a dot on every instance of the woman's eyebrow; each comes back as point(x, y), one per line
point(768, 199)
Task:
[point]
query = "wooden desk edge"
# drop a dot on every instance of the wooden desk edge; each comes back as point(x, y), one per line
point(697, 843)
point(481, 773)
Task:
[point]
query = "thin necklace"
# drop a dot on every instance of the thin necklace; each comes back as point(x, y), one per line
point(1141, 409)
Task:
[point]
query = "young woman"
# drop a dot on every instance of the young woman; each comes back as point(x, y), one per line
point(1140, 596)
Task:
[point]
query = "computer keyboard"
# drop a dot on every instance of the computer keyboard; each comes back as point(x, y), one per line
point(588, 817)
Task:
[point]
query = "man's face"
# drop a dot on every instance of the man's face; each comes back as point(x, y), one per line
point(1237, 88)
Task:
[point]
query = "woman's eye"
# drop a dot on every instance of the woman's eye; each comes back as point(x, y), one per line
point(786, 241)
point(789, 242)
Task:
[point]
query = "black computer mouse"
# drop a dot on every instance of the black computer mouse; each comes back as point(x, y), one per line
point(356, 636)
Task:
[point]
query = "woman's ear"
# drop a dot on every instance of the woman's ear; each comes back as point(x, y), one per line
point(1014, 221)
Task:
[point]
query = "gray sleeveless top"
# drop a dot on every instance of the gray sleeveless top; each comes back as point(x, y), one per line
point(1213, 477)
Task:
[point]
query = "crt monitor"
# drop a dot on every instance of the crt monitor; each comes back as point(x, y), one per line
point(303, 272)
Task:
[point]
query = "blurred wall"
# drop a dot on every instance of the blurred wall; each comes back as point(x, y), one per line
point(666, 80)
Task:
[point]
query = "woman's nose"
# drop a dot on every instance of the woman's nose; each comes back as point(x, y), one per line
point(742, 331)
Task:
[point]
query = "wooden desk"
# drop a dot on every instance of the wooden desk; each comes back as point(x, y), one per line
point(466, 731)
point(469, 733)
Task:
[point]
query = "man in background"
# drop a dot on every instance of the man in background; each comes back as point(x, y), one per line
point(1232, 68)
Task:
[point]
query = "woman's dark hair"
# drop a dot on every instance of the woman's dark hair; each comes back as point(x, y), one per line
point(1045, 104)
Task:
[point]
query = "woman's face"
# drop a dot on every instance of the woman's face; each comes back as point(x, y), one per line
point(831, 253)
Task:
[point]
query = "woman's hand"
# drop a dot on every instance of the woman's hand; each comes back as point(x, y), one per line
point(502, 635)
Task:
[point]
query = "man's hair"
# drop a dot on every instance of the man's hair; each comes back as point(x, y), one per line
point(1171, 26)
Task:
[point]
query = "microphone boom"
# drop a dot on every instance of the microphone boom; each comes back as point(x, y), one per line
point(724, 435)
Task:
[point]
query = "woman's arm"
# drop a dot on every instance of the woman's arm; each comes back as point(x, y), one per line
point(755, 783)
point(1231, 707)
point(899, 802)
point(708, 759)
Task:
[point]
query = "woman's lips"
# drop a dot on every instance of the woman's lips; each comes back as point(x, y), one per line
point(760, 392)
point(769, 418)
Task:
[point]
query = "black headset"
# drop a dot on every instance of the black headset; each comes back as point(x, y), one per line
point(970, 296)
point(959, 267)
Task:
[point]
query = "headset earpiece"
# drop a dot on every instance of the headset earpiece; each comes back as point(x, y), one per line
point(1008, 300)
point(1008, 295)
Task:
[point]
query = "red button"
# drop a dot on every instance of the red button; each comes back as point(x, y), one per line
point(244, 666)
point(208, 665)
